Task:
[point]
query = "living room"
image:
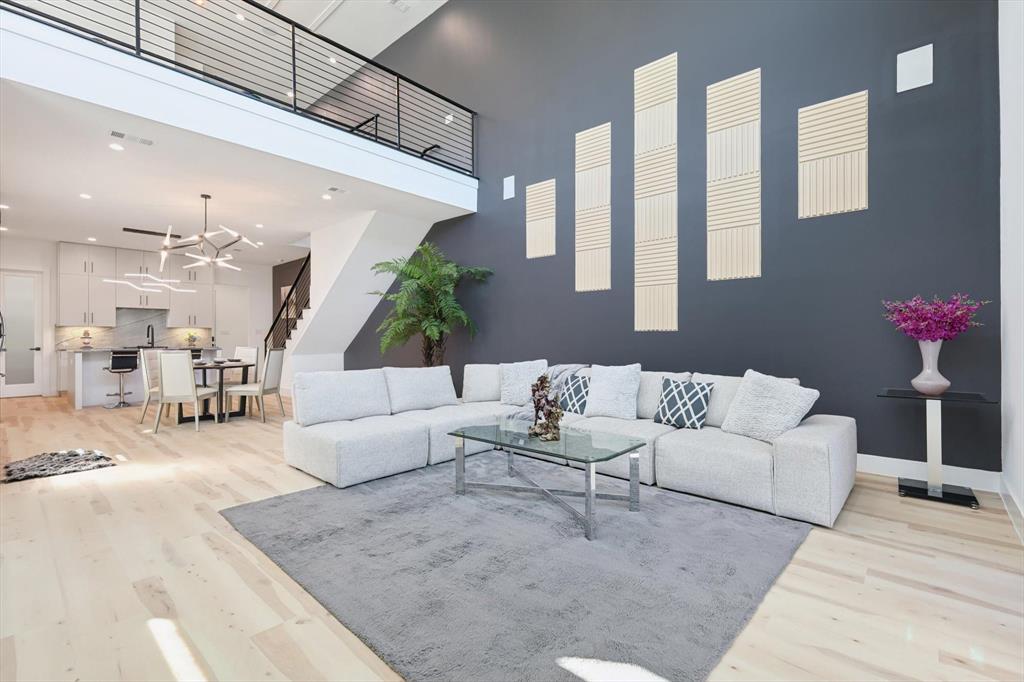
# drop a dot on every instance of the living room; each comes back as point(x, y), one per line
point(636, 341)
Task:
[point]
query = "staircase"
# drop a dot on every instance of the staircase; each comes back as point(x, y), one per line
point(289, 315)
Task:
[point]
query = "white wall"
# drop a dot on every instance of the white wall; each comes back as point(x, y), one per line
point(18, 253)
point(1011, 191)
point(260, 280)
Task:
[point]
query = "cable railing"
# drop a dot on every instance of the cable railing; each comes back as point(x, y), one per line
point(246, 47)
point(291, 310)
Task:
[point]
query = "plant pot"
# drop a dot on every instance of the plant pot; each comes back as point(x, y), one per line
point(930, 381)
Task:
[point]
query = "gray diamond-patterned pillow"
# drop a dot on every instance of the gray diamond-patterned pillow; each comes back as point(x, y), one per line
point(683, 404)
point(574, 395)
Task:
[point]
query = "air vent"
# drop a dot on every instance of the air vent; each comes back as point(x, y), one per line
point(131, 138)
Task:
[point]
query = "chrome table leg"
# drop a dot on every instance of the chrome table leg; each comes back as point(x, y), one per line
point(460, 466)
point(591, 493)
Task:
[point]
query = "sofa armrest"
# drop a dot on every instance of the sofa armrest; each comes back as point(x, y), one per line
point(815, 467)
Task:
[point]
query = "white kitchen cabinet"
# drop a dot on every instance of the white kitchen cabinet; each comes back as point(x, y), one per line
point(191, 309)
point(151, 264)
point(132, 262)
point(129, 262)
point(175, 270)
point(102, 304)
point(73, 300)
point(86, 301)
point(75, 259)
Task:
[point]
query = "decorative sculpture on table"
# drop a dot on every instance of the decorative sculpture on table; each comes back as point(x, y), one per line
point(547, 414)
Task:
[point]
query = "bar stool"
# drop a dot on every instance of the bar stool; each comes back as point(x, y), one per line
point(122, 362)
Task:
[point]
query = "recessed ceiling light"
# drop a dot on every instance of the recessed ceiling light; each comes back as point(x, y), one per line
point(3, 229)
point(259, 243)
point(4, 207)
point(91, 239)
point(116, 147)
point(333, 60)
point(259, 225)
point(325, 197)
point(85, 196)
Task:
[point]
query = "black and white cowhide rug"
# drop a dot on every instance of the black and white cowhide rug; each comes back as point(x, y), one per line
point(55, 464)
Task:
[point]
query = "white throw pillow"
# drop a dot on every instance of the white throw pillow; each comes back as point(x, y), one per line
point(613, 391)
point(338, 396)
point(765, 407)
point(480, 383)
point(419, 388)
point(516, 379)
point(723, 394)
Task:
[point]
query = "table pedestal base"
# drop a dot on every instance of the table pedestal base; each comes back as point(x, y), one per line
point(951, 494)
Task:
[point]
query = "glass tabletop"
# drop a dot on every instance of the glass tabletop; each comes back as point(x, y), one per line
point(578, 446)
point(948, 396)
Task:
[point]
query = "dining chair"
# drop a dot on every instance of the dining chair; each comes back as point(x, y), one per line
point(245, 354)
point(269, 383)
point(149, 368)
point(178, 384)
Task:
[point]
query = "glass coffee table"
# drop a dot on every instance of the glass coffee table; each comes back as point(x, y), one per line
point(576, 446)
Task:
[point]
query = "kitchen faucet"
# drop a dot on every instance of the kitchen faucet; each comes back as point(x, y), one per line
point(150, 335)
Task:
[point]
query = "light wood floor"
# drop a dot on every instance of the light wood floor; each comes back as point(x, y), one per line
point(130, 573)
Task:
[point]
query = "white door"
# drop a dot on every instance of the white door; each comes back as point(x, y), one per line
point(232, 318)
point(21, 360)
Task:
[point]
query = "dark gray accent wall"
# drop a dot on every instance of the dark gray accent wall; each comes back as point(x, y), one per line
point(538, 72)
point(284, 275)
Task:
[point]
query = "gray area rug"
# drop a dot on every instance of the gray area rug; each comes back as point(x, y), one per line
point(503, 586)
point(56, 463)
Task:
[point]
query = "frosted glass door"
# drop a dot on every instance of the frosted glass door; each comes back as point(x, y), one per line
point(21, 358)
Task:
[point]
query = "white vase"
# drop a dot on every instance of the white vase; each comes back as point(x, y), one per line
point(930, 381)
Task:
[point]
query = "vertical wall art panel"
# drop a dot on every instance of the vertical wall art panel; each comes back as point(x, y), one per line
point(540, 219)
point(734, 177)
point(833, 156)
point(656, 251)
point(593, 208)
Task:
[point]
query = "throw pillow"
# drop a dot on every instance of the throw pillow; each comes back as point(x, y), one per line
point(573, 397)
point(683, 404)
point(516, 379)
point(613, 391)
point(419, 388)
point(649, 395)
point(765, 407)
point(481, 383)
point(722, 396)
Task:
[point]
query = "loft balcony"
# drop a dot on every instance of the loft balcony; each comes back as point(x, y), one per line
point(247, 48)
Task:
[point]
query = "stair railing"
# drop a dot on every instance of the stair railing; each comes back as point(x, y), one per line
point(290, 312)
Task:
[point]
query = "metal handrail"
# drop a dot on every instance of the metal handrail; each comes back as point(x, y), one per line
point(350, 93)
point(278, 333)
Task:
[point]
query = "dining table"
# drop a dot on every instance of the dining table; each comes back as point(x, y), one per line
point(218, 367)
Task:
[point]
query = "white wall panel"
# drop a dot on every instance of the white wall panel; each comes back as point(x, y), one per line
point(833, 156)
point(540, 219)
point(734, 177)
point(593, 208)
point(656, 246)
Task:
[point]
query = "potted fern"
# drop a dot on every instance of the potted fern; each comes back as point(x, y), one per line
point(425, 301)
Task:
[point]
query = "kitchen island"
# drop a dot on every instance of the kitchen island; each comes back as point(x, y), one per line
point(87, 383)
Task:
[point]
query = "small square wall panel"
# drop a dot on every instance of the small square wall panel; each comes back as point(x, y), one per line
point(832, 151)
point(540, 219)
point(914, 68)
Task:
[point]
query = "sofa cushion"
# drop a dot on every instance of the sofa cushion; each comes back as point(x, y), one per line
point(480, 383)
point(684, 404)
point(440, 421)
point(516, 379)
point(613, 391)
point(319, 397)
point(419, 388)
point(649, 394)
point(722, 394)
point(641, 429)
point(573, 398)
point(345, 453)
point(765, 407)
point(716, 464)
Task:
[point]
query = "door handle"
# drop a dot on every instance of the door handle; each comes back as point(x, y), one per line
point(85, 318)
point(92, 317)
point(35, 348)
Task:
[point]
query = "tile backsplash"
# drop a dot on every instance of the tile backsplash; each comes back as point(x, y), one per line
point(130, 330)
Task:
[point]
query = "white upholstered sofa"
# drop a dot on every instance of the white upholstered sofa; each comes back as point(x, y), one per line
point(356, 426)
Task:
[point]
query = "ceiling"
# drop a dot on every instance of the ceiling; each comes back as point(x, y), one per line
point(366, 26)
point(53, 148)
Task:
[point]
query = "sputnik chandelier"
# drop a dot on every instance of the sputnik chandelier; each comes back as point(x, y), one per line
point(204, 250)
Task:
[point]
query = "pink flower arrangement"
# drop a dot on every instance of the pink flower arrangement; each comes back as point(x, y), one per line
point(935, 320)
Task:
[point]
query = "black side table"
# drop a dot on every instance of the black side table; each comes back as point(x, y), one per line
point(934, 488)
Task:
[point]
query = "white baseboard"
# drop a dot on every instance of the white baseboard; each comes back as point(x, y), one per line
point(889, 466)
point(1013, 507)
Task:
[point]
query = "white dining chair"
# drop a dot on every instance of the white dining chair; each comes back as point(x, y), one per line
point(178, 384)
point(269, 383)
point(245, 354)
point(149, 368)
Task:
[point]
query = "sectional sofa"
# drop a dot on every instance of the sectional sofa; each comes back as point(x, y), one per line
point(355, 426)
